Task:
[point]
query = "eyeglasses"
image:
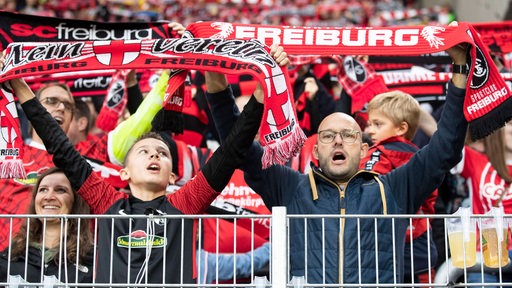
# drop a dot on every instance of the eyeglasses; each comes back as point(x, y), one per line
point(54, 102)
point(347, 136)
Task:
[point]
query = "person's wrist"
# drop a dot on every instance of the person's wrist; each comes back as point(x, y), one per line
point(131, 83)
point(460, 69)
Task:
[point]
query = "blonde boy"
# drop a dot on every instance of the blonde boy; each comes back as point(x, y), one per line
point(393, 119)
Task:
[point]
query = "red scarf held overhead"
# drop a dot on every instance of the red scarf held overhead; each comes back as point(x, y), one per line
point(19, 27)
point(497, 35)
point(487, 104)
point(279, 133)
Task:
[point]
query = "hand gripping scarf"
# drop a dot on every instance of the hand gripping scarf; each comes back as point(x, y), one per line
point(279, 133)
point(487, 103)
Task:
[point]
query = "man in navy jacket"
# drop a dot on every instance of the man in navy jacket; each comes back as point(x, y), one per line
point(351, 250)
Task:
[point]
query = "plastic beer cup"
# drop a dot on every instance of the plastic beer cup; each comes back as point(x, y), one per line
point(462, 238)
point(494, 239)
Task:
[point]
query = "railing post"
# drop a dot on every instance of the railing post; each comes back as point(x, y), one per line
point(279, 264)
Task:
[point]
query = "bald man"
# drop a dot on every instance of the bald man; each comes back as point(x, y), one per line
point(336, 250)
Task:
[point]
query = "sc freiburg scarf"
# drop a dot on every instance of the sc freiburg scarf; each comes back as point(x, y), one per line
point(280, 134)
point(487, 105)
point(18, 27)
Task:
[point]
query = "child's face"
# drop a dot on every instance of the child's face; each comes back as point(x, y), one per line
point(380, 127)
point(149, 165)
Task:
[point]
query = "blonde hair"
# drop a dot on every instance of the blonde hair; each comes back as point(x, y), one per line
point(399, 107)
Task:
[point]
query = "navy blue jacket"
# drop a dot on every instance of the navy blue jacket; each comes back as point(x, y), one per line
point(351, 245)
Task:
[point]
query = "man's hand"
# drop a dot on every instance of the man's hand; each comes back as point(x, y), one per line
point(459, 53)
point(215, 82)
point(310, 87)
point(131, 78)
point(177, 27)
point(279, 55)
point(2, 60)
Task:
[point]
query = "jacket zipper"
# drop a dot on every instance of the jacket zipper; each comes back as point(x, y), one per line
point(342, 230)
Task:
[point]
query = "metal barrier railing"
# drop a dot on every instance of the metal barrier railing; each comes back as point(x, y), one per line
point(151, 240)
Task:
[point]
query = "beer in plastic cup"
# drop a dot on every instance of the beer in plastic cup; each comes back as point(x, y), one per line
point(460, 249)
point(491, 248)
point(495, 239)
point(462, 238)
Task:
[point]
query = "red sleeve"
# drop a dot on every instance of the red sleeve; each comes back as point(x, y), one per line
point(94, 147)
point(194, 197)
point(98, 194)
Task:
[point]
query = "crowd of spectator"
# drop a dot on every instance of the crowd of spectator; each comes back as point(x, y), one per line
point(273, 12)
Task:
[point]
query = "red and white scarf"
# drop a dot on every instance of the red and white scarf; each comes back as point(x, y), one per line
point(11, 142)
point(487, 104)
point(280, 134)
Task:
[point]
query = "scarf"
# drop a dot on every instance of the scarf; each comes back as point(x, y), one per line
point(11, 141)
point(360, 82)
point(17, 27)
point(280, 134)
point(496, 35)
point(114, 103)
point(81, 84)
point(424, 85)
point(487, 103)
point(174, 101)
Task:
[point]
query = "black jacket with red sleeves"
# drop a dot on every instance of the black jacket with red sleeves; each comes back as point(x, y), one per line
point(153, 249)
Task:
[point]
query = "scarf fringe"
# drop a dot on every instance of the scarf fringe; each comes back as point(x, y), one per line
point(491, 121)
point(280, 152)
point(12, 168)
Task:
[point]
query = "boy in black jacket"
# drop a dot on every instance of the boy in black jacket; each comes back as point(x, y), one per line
point(152, 249)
